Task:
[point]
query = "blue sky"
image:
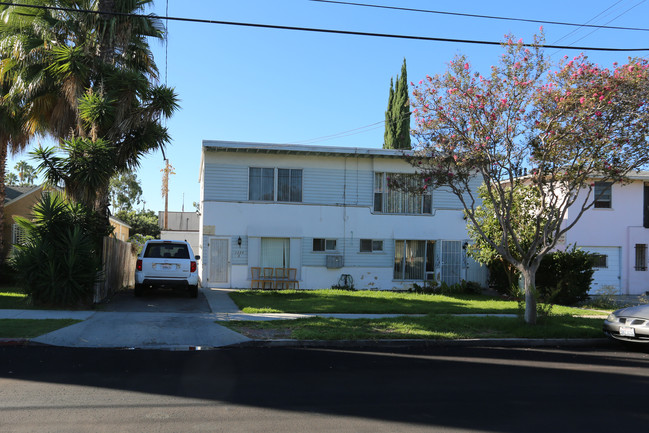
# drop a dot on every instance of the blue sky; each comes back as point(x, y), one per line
point(280, 86)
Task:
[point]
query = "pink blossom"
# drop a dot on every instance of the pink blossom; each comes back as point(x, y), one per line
point(582, 99)
point(466, 66)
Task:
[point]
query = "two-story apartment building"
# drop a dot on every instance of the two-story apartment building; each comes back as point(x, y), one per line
point(616, 229)
point(325, 212)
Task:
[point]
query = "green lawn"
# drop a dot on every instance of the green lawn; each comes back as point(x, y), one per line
point(376, 302)
point(436, 327)
point(30, 328)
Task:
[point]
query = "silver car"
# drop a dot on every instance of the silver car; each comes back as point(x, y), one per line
point(629, 324)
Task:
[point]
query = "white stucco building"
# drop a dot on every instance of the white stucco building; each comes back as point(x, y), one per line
point(324, 211)
point(616, 228)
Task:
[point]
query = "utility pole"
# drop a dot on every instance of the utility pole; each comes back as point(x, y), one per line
point(166, 172)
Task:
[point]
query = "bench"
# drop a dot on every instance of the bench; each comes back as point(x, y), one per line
point(273, 278)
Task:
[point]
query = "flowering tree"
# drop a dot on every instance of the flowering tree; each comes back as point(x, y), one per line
point(565, 127)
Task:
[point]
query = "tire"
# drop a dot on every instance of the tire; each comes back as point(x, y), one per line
point(193, 291)
point(138, 290)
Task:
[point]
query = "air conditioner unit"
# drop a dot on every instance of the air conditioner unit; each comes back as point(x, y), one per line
point(334, 262)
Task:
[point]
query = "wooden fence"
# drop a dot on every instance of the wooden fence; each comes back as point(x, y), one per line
point(119, 259)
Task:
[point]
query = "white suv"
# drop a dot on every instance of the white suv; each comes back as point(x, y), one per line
point(167, 264)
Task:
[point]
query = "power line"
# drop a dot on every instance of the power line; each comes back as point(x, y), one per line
point(320, 30)
point(613, 19)
point(482, 16)
point(586, 23)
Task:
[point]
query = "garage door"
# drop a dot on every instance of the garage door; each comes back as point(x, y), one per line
point(607, 267)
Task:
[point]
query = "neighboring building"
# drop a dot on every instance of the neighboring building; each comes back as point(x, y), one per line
point(326, 212)
point(183, 226)
point(19, 201)
point(120, 229)
point(616, 228)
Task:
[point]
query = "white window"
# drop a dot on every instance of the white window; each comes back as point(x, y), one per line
point(414, 260)
point(289, 185)
point(18, 235)
point(410, 198)
point(275, 253)
point(324, 244)
point(603, 195)
point(261, 184)
point(371, 245)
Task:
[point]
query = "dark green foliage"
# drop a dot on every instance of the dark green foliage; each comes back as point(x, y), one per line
point(502, 276)
point(397, 116)
point(564, 277)
point(60, 262)
point(125, 191)
point(433, 287)
point(142, 222)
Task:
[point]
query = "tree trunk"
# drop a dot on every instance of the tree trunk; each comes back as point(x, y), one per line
point(529, 277)
point(3, 194)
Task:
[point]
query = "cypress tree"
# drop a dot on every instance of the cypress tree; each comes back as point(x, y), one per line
point(397, 116)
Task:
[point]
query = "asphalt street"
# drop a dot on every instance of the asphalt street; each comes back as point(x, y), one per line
point(487, 389)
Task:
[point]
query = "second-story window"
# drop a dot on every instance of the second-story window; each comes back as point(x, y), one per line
point(407, 200)
point(603, 196)
point(269, 184)
point(289, 184)
point(261, 184)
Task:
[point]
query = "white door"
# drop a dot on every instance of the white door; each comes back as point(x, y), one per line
point(607, 267)
point(219, 262)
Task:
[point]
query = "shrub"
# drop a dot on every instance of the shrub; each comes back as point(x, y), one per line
point(433, 287)
point(60, 262)
point(564, 277)
point(502, 276)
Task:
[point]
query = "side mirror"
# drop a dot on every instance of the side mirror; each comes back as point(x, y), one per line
point(197, 257)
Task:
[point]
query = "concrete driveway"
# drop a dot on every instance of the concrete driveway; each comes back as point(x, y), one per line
point(157, 301)
point(155, 321)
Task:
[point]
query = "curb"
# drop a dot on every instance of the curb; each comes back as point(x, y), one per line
point(14, 341)
point(378, 344)
point(506, 342)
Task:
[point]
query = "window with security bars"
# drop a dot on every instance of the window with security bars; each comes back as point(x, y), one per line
point(600, 261)
point(404, 199)
point(640, 257)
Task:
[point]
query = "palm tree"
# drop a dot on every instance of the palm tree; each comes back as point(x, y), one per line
point(11, 179)
point(88, 76)
point(13, 139)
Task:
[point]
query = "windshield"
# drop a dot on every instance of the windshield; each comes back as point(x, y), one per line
point(166, 251)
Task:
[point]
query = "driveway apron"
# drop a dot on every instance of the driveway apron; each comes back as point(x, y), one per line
point(150, 323)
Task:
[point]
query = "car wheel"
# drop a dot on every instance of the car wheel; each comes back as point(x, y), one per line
point(193, 291)
point(138, 290)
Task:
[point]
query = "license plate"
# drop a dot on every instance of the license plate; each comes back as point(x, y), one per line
point(166, 266)
point(627, 331)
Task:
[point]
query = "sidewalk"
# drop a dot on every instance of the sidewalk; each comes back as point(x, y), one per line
point(195, 331)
